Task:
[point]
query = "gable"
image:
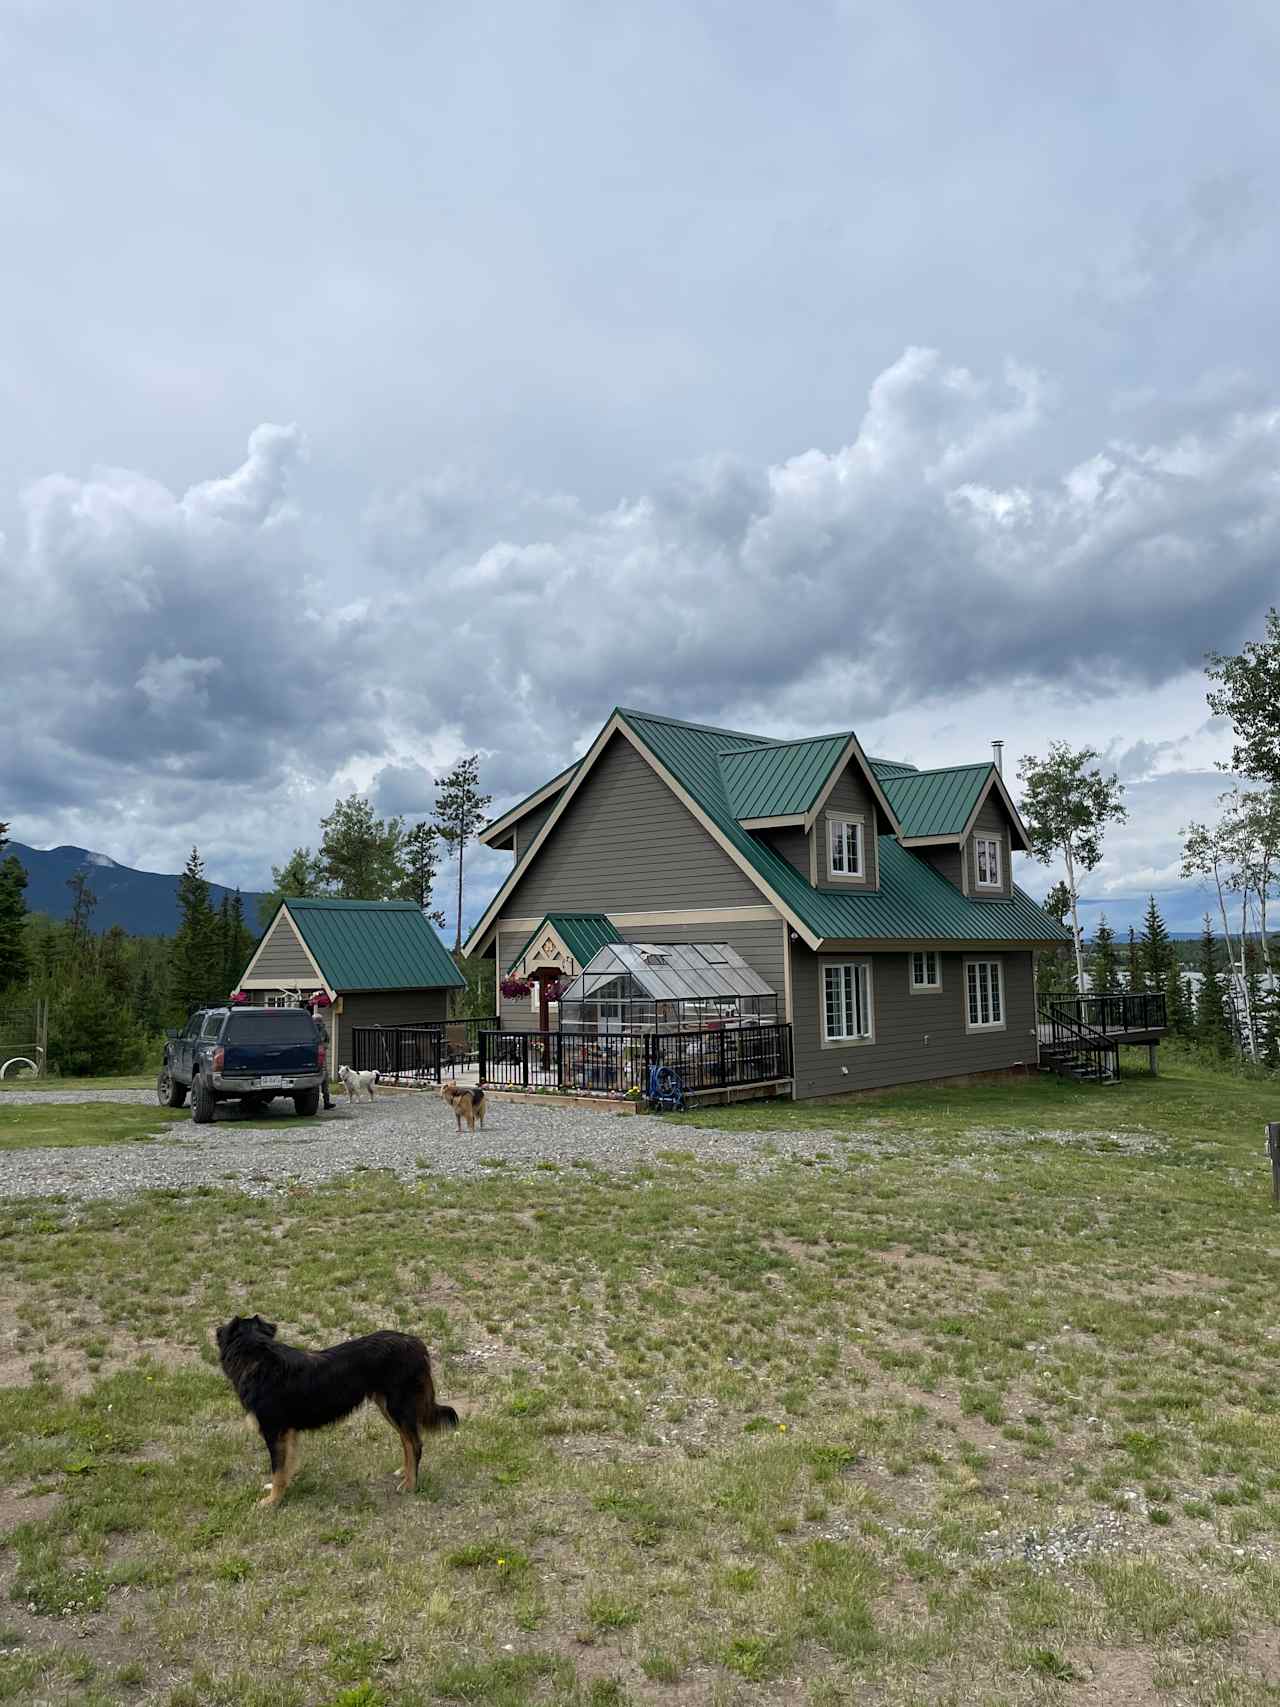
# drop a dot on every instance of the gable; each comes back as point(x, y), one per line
point(625, 843)
point(281, 960)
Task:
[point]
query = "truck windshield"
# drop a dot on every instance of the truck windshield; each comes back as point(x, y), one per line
point(270, 1025)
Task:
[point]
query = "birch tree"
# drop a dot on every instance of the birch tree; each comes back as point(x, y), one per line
point(1067, 804)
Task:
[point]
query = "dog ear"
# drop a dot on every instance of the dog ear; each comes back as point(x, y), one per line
point(265, 1327)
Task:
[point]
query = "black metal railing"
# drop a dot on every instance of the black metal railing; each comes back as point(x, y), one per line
point(1137, 1010)
point(410, 1053)
point(1066, 1041)
point(617, 1063)
point(462, 1040)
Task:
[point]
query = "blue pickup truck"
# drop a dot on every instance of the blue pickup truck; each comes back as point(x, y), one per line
point(245, 1055)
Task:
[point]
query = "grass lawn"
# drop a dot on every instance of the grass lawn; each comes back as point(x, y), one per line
point(110, 1082)
point(979, 1406)
point(33, 1125)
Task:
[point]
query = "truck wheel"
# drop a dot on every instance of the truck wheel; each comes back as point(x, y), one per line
point(202, 1100)
point(169, 1093)
point(307, 1102)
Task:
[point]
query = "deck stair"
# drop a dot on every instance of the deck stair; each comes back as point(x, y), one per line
point(1074, 1049)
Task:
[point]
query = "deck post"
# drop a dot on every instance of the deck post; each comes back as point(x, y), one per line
point(1153, 1055)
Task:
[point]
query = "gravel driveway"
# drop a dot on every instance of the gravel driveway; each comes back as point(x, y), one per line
point(412, 1134)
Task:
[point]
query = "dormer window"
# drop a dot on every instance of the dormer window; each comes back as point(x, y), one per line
point(844, 847)
point(986, 859)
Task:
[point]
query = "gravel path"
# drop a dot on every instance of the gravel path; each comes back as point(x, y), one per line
point(395, 1131)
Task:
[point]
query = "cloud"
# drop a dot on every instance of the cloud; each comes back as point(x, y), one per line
point(217, 664)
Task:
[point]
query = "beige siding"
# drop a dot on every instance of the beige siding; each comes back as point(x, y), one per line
point(283, 956)
point(386, 1007)
point(626, 843)
point(991, 821)
point(850, 795)
point(916, 1036)
point(759, 942)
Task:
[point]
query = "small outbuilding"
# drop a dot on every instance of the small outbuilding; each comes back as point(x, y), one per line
point(379, 963)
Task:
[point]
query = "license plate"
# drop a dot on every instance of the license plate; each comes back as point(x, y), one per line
point(270, 1082)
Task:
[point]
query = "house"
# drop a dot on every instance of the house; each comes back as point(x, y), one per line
point(875, 899)
point(379, 962)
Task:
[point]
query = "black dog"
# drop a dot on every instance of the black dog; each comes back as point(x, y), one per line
point(287, 1390)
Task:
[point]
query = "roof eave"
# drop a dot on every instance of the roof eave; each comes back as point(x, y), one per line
point(498, 833)
point(781, 821)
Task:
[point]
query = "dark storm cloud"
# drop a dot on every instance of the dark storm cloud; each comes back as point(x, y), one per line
point(206, 666)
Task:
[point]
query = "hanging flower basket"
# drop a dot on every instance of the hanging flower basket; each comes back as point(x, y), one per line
point(239, 999)
point(513, 988)
point(555, 989)
point(320, 1000)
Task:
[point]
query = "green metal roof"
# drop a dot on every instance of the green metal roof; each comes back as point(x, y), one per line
point(936, 803)
point(780, 780)
point(374, 945)
point(581, 933)
point(913, 903)
point(891, 767)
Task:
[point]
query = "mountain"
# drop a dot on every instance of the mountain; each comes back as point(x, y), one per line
point(145, 903)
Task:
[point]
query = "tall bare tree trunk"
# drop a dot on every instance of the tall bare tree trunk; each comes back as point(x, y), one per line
point(1075, 919)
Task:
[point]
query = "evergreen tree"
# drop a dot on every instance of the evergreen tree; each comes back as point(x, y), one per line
point(421, 861)
point(237, 943)
point(296, 880)
point(195, 959)
point(360, 855)
point(113, 964)
point(91, 1033)
point(15, 961)
point(1104, 970)
point(1179, 1007)
point(1213, 1028)
point(1155, 950)
point(1133, 967)
point(460, 810)
point(83, 902)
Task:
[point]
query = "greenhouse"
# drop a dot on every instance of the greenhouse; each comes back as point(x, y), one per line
point(666, 987)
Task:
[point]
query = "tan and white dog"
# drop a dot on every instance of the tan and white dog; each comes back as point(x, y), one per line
point(467, 1103)
point(356, 1082)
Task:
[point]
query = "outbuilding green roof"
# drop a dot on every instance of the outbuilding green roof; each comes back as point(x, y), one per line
point(581, 933)
point(374, 945)
point(936, 803)
point(781, 780)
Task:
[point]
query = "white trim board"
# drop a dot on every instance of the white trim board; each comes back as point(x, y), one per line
point(653, 916)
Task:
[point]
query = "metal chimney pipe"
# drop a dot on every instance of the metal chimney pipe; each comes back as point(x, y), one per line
point(997, 753)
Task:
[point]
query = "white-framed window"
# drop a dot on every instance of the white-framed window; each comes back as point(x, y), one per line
point(274, 999)
point(844, 847)
point(846, 1002)
point(984, 995)
point(926, 970)
point(986, 862)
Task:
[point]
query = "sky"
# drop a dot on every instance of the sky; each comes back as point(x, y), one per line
point(386, 384)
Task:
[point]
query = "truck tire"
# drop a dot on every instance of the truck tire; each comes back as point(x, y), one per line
point(307, 1102)
point(169, 1093)
point(202, 1100)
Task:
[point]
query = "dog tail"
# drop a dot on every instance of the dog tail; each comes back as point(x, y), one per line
point(442, 1416)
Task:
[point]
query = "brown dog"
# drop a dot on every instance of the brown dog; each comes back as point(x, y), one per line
point(467, 1103)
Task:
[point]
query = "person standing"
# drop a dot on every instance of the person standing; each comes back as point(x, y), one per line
point(312, 1004)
